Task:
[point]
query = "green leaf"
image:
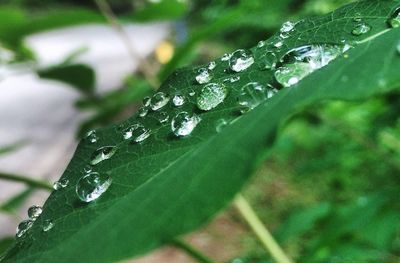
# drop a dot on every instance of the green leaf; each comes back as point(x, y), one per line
point(5, 243)
point(80, 76)
point(167, 186)
point(162, 10)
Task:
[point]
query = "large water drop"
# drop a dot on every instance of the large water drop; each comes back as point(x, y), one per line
point(91, 186)
point(34, 211)
point(211, 96)
point(102, 154)
point(241, 59)
point(184, 123)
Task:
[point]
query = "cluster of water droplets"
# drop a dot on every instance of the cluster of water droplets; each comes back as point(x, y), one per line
point(33, 214)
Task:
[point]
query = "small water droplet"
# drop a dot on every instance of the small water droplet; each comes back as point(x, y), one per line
point(212, 65)
point(159, 100)
point(226, 57)
point(203, 76)
point(183, 123)
point(241, 59)
point(361, 29)
point(146, 101)
point(91, 136)
point(23, 227)
point(220, 125)
point(276, 42)
point(192, 92)
point(87, 169)
point(178, 100)
point(234, 79)
point(47, 225)
point(102, 154)
point(143, 111)
point(60, 184)
point(34, 212)
point(394, 19)
point(162, 117)
point(91, 186)
point(261, 44)
point(357, 17)
point(267, 61)
point(286, 28)
point(251, 95)
point(211, 96)
point(136, 132)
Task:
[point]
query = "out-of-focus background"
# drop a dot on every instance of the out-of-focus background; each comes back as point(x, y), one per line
point(330, 189)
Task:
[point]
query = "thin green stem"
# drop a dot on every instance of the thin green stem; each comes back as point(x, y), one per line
point(262, 233)
point(191, 251)
point(26, 180)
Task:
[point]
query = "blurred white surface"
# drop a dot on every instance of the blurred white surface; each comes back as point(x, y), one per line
point(41, 112)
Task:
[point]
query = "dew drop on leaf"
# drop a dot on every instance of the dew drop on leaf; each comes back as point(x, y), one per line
point(136, 132)
point(184, 123)
point(203, 76)
point(146, 101)
point(220, 125)
point(34, 212)
point(361, 29)
point(162, 117)
point(240, 60)
point(302, 61)
point(143, 111)
point(251, 95)
point(226, 57)
point(211, 65)
point(91, 136)
point(159, 100)
point(47, 225)
point(261, 44)
point(178, 100)
point(286, 28)
point(91, 186)
point(394, 19)
point(87, 169)
point(211, 95)
point(23, 227)
point(102, 154)
point(357, 17)
point(60, 184)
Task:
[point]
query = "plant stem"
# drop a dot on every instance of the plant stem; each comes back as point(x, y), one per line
point(191, 251)
point(260, 230)
point(143, 65)
point(22, 179)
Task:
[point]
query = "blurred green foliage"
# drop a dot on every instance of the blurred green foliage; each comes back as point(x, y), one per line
point(330, 188)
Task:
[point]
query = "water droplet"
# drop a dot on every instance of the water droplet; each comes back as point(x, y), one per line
point(220, 125)
point(276, 42)
point(87, 169)
point(23, 227)
point(159, 100)
point(241, 59)
point(267, 61)
point(286, 28)
point(60, 184)
point(192, 92)
point(211, 96)
point(143, 111)
point(162, 117)
point(102, 154)
point(251, 95)
point(357, 17)
point(34, 211)
point(212, 65)
point(47, 225)
point(91, 186)
point(361, 29)
point(136, 132)
point(203, 76)
point(146, 101)
point(226, 57)
point(178, 100)
point(302, 61)
point(184, 123)
point(261, 44)
point(91, 136)
point(394, 19)
point(234, 79)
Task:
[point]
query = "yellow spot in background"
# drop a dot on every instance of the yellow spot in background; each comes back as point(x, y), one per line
point(164, 52)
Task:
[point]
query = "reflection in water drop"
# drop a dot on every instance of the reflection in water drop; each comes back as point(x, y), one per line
point(159, 100)
point(91, 186)
point(211, 96)
point(240, 60)
point(203, 76)
point(184, 123)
